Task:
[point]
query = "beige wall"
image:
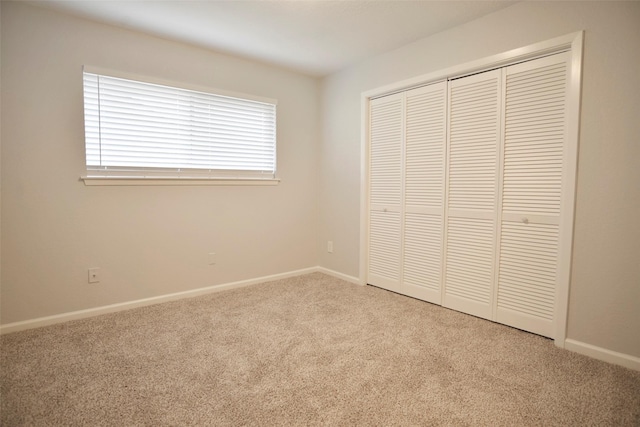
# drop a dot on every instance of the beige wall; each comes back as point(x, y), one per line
point(148, 241)
point(605, 289)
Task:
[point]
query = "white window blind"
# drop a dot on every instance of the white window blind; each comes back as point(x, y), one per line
point(144, 129)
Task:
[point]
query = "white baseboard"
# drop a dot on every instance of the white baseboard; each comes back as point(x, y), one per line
point(82, 314)
point(600, 353)
point(341, 276)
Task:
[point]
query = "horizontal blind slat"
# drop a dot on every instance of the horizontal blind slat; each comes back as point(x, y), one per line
point(140, 125)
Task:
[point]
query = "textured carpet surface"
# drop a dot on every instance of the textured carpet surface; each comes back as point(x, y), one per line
point(308, 350)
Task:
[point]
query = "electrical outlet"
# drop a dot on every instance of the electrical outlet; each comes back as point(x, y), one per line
point(330, 246)
point(212, 258)
point(94, 275)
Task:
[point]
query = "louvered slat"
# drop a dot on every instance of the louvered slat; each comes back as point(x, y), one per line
point(423, 251)
point(474, 132)
point(470, 264)
point(532, 190)
point(385, 187)
point(528, 265)
point(385, 157)
point(534, 136)
point(384, 245)
point(513, 206)
point(473, 142)
point(425, 141)
point(424, 192)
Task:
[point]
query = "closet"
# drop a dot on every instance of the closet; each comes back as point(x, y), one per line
point(467, 179)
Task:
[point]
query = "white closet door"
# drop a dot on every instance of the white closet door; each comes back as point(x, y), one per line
point(424, 192)
point(385, 191)
point(472, 190)
point(534, 142)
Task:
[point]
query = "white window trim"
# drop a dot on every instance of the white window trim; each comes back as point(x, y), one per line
point(160, 178)
point(172, 181)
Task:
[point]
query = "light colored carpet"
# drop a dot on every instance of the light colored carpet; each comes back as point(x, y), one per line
point(304, 351)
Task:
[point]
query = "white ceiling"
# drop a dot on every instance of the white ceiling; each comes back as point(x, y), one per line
point(314, 37)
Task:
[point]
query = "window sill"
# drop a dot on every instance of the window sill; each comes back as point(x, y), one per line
point(166, 181)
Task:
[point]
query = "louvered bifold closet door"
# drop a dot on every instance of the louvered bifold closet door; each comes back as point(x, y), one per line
point(474, 135)
point(534, 142)
point(385, 191)
point(424, 192)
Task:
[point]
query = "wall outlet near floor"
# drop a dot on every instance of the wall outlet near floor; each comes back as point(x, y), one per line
point(212, 258)
point(330, 246)
point(94, 275)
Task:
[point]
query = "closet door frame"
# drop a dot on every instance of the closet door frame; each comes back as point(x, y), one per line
point(571, 42)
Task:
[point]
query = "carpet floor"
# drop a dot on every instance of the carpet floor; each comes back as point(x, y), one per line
point(309, 350)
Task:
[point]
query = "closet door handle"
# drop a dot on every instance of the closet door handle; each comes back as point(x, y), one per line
point(525, 220)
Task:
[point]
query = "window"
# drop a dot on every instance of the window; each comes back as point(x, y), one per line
point(135, 129)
